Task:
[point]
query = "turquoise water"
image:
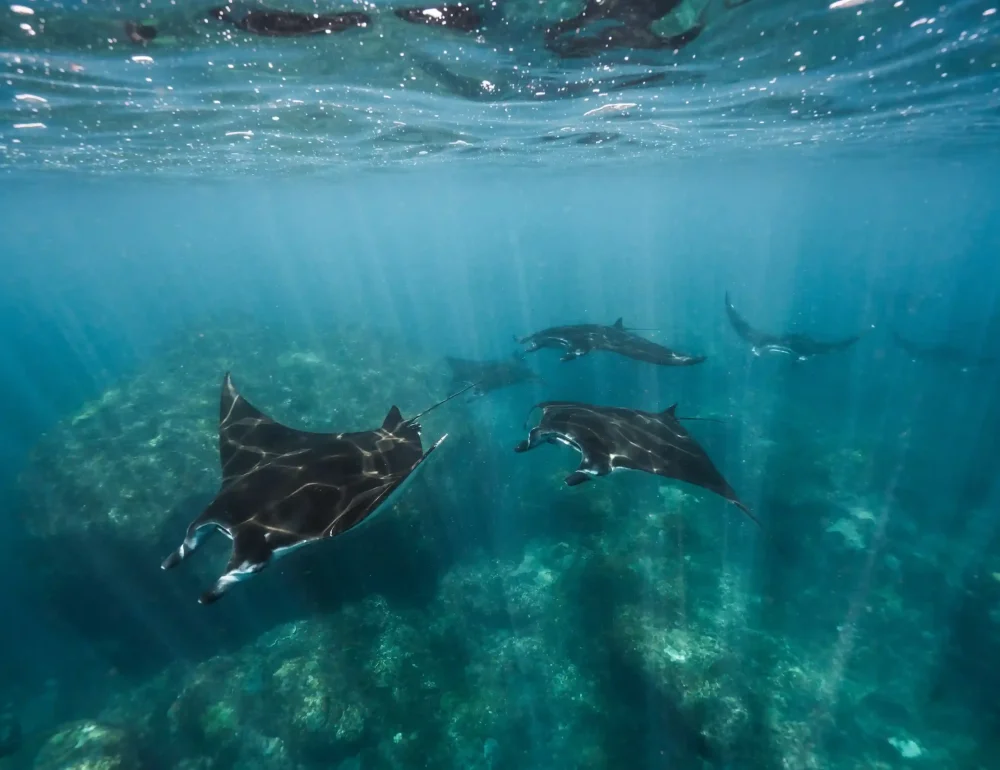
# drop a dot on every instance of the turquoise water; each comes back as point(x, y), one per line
point(832, 168)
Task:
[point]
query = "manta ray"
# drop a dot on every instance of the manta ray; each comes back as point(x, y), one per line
point(941, 353)
point(490, 375)
point(284, 488)
point(609, 438)
point(451, 15)
point(274, 23)
point(619, 24)
point(579, 339)
point(798, 345)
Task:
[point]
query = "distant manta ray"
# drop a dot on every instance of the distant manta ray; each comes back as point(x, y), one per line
point(275, 23)
point(798, 345)
point(490, 375)
point(579, 339)
point(609, 438)
point(941, 353)
point(283, 488)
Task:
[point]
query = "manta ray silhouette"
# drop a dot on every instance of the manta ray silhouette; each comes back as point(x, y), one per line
point(609, 438)
point(798, 345)
point(579, 339)
point(269, 22)
point(490, 375)
point(941, 353)
point(284, 488)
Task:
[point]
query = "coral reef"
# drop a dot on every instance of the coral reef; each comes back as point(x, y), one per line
point(565, 627)
point(10, 732)
point(88, 746)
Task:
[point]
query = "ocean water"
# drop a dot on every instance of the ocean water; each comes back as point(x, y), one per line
point(330, 217)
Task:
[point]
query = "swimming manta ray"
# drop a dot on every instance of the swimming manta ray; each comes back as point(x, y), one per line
point(579, 339)
point(284, 488)
point(798, 345)
point(941, 353)
point(490, 375)
point(270, 22)
point(610, 438)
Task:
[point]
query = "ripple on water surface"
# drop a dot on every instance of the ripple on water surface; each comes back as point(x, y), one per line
point(82, 89)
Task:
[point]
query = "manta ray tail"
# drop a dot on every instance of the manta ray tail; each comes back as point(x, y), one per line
point(442, 402)
point(746, 511)
point(672, 412)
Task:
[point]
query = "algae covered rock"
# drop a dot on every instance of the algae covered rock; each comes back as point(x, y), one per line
point(10, 733)
point(296, 693)
point(88, 745)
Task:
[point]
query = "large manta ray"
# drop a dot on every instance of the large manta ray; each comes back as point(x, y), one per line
point(941, 353)
point(579, 339)
point(490, 375)
point(609, 438)
point(798, 345)
point(283, 488)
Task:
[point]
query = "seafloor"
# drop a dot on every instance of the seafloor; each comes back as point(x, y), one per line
point(626, 623)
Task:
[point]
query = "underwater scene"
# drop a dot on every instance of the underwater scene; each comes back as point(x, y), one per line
point(505, 385)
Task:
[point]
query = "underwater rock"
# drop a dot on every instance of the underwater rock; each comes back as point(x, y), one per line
point(10, 733)
point(387, 688)
point(907, 748)
point(848, 530)
point(301, 691)
point(88, 745)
